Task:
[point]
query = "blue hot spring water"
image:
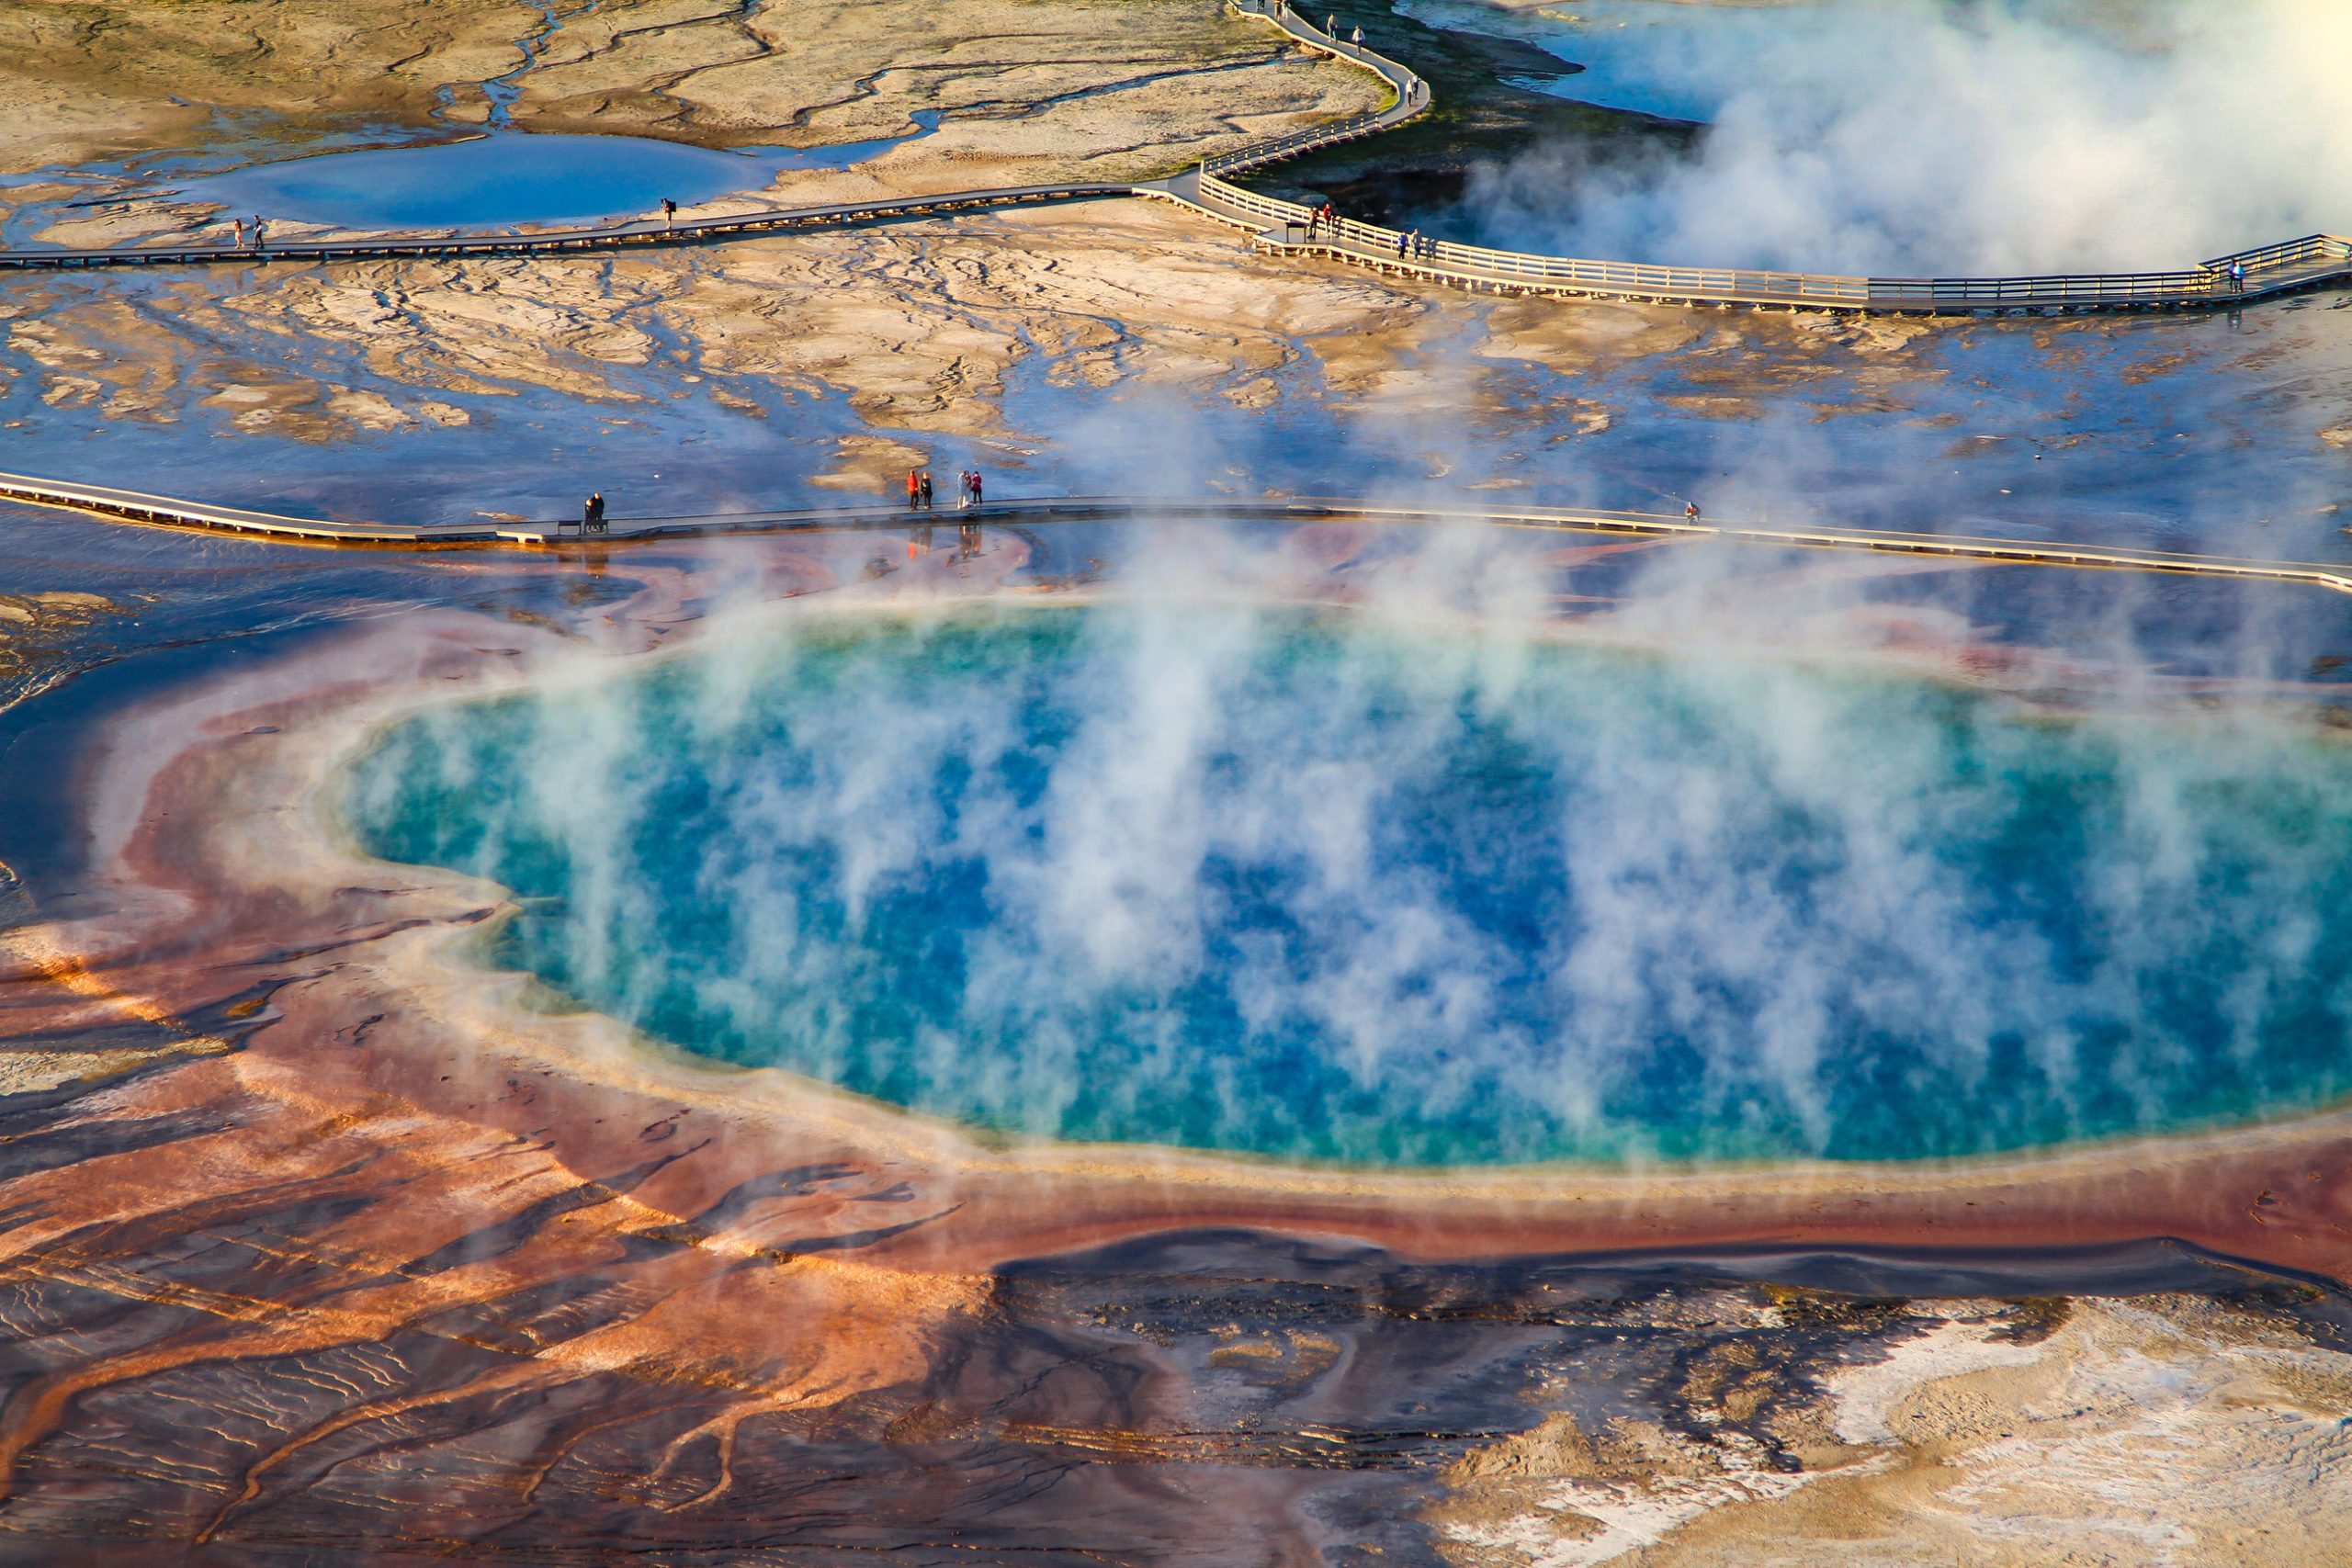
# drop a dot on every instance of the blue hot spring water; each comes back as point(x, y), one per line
point(513, 177)
point(1328, 888)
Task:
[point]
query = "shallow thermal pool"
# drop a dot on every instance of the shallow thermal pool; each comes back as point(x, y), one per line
point(511, 177)
point(1330, 888)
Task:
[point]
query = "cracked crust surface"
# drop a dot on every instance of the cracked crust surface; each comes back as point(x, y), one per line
point(1032, 89)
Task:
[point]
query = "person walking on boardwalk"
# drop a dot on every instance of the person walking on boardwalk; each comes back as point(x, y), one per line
point(668, 215)
point(977, 499)
point(2237, 276)
point(914, 490)
point(1357, 37)
point(926, 490)
point(1400, 247)
point(1690, 512)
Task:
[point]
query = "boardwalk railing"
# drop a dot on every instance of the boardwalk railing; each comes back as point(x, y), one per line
point(1290, 227)
point(2267, 270)
point(169, 511)
point(1412, 93)
point(2311, 248)
point(653, 231)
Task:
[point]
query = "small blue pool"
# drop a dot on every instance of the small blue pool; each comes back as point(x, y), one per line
point(511, 177)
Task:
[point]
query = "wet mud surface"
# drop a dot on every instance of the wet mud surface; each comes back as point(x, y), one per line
point(1209, 1397)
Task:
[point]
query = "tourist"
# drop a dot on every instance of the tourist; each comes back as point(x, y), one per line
point(257, 230)
point(1690, 512)
point(2237, 275)
point(668, 214)
point(1400, 247)
point(1357, 37)
point(977, 498)
point(926, 490)
point(1331, 27)
point(914, 490)
point(240, 241)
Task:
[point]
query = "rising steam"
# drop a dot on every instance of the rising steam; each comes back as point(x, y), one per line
point(1920, 138)
point(1192, 867)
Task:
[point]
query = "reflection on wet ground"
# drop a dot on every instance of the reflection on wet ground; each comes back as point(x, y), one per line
point(2105, 430)
point(33, 201)
point(2139, 431)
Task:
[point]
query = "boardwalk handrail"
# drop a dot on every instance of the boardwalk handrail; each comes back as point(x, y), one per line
point(167, 510)
point(2209, 282)
point(1290, 227)
point(823, 215)
point(1412, 93)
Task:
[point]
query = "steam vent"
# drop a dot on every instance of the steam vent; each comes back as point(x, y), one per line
point(1176, 783)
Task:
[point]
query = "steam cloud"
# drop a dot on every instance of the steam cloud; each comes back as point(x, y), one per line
point(1186, 869)
point(1916, 137)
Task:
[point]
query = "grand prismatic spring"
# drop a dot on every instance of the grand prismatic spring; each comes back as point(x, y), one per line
point(1621, 833)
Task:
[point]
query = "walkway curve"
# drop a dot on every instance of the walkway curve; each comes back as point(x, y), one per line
point(170, 511)
point(1287, 228)
point(1284, 228)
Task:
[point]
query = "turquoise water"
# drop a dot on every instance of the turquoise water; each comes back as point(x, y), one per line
point(1328, 889)
point(506, 178)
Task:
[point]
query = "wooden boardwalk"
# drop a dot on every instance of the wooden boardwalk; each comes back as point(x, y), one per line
point(1285, 229)
point(614, 236)
point(1297, 510)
